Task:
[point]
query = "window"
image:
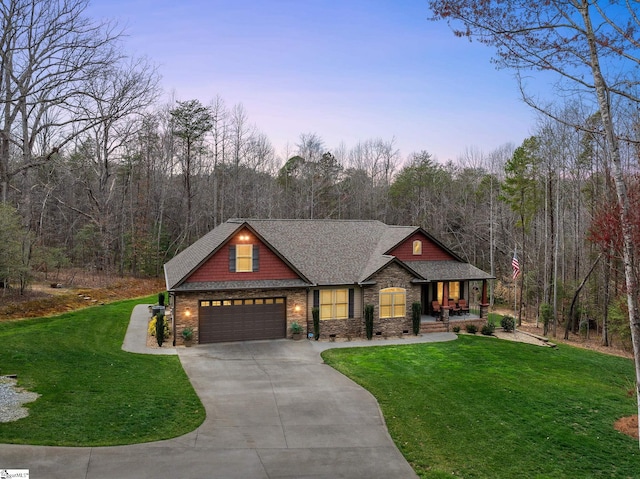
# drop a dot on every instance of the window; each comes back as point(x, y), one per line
point(417, 248)
point(392, 302)
point(454, 290)
point(334, 304)
point(244, 258)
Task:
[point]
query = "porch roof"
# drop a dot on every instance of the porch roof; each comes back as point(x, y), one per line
point(447, 271)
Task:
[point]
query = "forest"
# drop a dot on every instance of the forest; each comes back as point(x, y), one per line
point(98, 171)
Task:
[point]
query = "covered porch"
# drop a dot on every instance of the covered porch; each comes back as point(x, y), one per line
point(452, 294)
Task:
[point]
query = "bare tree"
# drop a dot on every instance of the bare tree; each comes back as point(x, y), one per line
point(586, 43)
point(48, 51)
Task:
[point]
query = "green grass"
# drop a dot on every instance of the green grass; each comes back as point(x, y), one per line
point(92, 392)
point(482, 408)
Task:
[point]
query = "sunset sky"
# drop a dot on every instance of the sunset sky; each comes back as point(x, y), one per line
point(347, 70)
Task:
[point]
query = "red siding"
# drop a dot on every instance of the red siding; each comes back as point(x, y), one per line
point(216, 268)
point(430, 250)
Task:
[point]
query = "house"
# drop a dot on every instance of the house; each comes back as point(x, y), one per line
point(251, 279)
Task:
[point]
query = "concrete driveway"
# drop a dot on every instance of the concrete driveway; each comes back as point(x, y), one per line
point(274, 410)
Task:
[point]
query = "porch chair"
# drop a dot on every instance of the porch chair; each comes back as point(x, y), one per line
point(435, 306)
point(464, 307)
point(453, 307)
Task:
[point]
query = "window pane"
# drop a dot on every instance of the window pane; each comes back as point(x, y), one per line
point(385, 311)
point(326, 296)
point(417, 247)
point(342, 311)
point(244, 258)
point(204, 304)
point(325, 311)
point(226, 302)
point(279, 300)
point(398, 311)
point(259, 301)
point(342, 296)
point(385, 299)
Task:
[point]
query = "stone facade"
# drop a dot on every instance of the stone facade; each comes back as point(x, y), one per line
point(186, 305)
point(393, 276)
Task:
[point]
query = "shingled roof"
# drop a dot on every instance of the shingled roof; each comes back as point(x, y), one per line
point(323, 252)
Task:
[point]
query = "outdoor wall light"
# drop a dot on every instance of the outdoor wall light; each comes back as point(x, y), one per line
point(187, 312)
point(296, 308)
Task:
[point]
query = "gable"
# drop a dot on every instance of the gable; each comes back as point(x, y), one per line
point(266, 266)
point(430, 250)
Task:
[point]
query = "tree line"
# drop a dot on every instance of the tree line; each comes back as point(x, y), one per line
point(97, 173)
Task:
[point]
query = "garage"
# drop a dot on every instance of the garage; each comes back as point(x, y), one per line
point(242, 319)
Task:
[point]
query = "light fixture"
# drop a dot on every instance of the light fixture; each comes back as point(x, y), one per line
point(187, 312)
point(296, 308)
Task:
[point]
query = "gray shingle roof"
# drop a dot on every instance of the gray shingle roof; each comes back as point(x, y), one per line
point(177, 268)
point(251, 284)
point(324, 252)
point(447, 270)
point(332, 251)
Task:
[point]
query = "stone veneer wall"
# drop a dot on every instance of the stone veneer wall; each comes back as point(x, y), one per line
point(182, 301)
point(393, 276)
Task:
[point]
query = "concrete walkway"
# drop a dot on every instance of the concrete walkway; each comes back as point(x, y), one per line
point(274, 410)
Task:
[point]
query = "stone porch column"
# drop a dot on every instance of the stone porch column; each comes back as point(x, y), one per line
point(484, 304)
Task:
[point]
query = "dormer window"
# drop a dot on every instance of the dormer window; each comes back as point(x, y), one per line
point(417, 248)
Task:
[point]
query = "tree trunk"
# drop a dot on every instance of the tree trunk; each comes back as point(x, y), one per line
point(621, 190)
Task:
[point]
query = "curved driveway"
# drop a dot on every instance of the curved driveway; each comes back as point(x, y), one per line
point(274, 410)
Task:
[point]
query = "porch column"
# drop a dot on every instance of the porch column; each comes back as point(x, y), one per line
point(484, 304)
point(445, 302)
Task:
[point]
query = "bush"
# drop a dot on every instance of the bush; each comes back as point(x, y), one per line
point(456, 329)
point(546, 314)
point(152, 328)
point(416, 311)
point(160, 323)
point(368, 320)
point(488, 329)
point(296, 327)
point(187, 334)
point(508, 323)
point(471, 328)
point(160, 299)
point(315, 313)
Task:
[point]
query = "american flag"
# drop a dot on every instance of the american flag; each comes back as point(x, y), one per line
point(516, 266)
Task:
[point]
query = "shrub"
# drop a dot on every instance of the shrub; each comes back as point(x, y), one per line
point(296, 328)
point(315, 313)
point(546, 314)
point(368, 320)
point(456, 329)
point(508, 323)
point(161, 299)
point(160, 329)
point(488, 329)
point(416, 310)
point(187, 334)
point(471, 328)
point(152, 328)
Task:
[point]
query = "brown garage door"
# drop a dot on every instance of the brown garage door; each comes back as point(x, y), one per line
point(242, 319)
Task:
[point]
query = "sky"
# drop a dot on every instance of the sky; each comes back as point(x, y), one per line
point(346, 70)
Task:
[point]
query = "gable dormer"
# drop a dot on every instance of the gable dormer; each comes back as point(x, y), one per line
point(243, 257)
point(419, 247)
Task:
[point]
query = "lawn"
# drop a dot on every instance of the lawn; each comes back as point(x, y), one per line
point(479, 407)
point(92, 392)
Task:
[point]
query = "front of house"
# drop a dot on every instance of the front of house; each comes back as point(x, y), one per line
point(251, 279)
